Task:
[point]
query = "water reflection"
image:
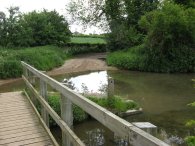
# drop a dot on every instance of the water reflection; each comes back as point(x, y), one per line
point(95, 137)
point(164, 98)
point(91, 83)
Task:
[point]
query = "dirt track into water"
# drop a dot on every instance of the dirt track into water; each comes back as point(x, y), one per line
point(81, 63)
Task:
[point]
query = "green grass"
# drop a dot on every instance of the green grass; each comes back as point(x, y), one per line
point(140, 58)
point(87, 40)
point(42, 58)
point(115, 104)
point(126, 59)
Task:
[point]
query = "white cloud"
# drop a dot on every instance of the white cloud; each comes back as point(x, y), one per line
point(58, 5)
point(30, 5)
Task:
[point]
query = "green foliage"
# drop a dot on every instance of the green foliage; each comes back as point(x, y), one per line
point(170, 27)
point(78, 114)
point(122, 37)
point(42, 58)
point(169, 45)
point(186, 3)
point(46, 28)
point(127, 59)
point(190, 140)
point(192, 104)
point(9, 27)
point(10, 69)
point(115, 104)
point(89, 40)
point(119, 17)
point(123, 23)
point(137, 58)
point(33, 29)
point(190, 123)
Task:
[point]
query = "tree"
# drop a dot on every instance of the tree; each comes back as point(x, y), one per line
point(45, 28)
point(187, 3)
point(118, 15)
point(170, 40)
point(9, 26)
point(33, 29)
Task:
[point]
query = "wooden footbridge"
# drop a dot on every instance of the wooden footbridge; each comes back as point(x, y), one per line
point(21, 124)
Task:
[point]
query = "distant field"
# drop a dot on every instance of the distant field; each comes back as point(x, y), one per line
point(90, 40)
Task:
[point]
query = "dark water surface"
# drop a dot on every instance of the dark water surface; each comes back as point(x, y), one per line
point(163, 97)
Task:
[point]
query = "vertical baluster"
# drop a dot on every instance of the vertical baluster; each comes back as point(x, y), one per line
point(67, 116)
point(43, 92)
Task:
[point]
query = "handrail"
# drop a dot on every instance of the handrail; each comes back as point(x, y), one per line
point(74, 139)
point(116, 124)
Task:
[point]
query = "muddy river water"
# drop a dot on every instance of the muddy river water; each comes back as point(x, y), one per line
point(163, 97)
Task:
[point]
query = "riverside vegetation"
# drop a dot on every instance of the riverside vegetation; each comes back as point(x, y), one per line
point(169, 42)
point(115, 104)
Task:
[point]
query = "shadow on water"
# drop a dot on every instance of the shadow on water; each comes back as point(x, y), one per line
point(164, 98)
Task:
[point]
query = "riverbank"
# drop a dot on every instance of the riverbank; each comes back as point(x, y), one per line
point(80, 63)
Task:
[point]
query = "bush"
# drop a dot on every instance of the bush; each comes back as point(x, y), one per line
point(190, 140)
point(45, 28)
point(78, 114)
point(33, 29)
point(115, 104)
point(10, 69)
point(170, 27)
point(123, 37)
point(42, 58)
point(137, 58)
point(127, 59)
point(169, 45)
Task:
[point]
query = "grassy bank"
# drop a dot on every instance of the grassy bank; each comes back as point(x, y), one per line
point(42, 58)
point(115, 104)
point(127, 59)
point(87, 40)
point(140, 58)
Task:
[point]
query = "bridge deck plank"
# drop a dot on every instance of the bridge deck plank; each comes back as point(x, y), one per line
point(19, 125)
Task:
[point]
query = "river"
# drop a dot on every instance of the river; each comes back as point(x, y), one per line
point(163, 97)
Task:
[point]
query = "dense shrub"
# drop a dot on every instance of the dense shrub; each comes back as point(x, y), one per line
point(10, 69)
point(45, 28)
point(123, 37)
point(115, 104)
point(127, 59)
point(42, 58)
point(32, 29)
point(190, 140)
point(137, 58)
point(170, 27)
point(169, 45)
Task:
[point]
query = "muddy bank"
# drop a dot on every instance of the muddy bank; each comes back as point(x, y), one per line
point(81, 63)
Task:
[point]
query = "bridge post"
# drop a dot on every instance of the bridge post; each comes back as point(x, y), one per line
point(43, 92)
point(32, 78)
point(67, 116)
point(110, 87)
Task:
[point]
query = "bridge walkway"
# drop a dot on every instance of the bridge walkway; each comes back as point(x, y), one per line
point(20, 123)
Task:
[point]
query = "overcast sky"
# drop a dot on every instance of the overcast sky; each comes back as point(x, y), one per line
point(30, 5)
